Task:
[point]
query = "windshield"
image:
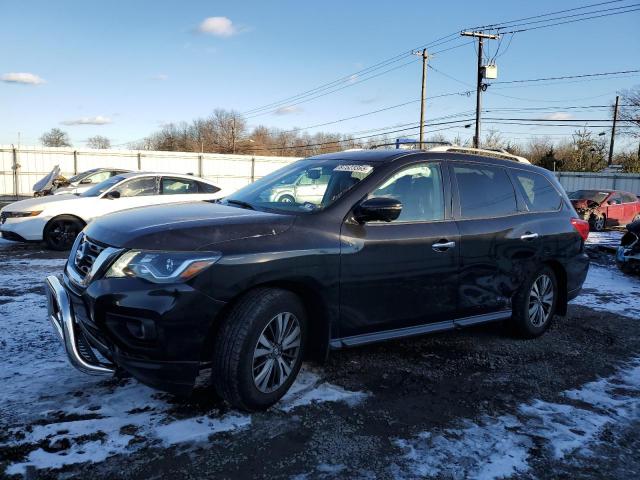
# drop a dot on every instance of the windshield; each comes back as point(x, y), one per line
point(593, 195)
point(102, 187)
point(303, 186)
point(80, 176)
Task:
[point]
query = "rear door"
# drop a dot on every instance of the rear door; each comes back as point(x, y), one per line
point(631, 206)
point(498, 243)
point(615, 210)
point(401, 273)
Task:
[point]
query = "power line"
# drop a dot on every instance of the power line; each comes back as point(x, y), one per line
point(494, 25)
point(564, 77)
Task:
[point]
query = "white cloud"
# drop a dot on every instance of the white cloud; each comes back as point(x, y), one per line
point(97, 120)
point(288, 110)
point(558, 116)
point(22, 77)
point(160, 76)
point(218, 26)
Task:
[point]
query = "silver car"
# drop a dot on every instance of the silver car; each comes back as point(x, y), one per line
point(308, 187)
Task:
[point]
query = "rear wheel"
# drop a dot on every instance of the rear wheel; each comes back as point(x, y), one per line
point(61, 232)
point(534, 305)
point(636, 218)
point(259, 348)
point(598, 223)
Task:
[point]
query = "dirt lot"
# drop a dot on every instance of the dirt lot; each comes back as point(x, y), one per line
point(471, 404)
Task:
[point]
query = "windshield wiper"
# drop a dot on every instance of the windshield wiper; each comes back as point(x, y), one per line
point(240, 203)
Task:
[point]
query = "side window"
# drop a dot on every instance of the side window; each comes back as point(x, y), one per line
point(178, 186)
point(629, 198)
point(207, 188)
point(138, 187)
point(98, 177)
point(484, 191)
point(615, 199)
point(419, 188)
point(539, 194)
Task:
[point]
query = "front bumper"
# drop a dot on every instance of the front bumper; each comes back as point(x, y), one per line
point(92, 325)
point(29, 229)
point(78, 349)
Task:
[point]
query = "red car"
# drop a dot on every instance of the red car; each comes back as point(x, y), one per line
point(606, 208)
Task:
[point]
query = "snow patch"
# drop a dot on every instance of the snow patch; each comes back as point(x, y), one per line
point(609, 290)
point(499, 447)
point(608, 238)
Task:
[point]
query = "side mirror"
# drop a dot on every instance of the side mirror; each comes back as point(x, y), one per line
point(85, 181)
point(383, 209)
point(112, 195)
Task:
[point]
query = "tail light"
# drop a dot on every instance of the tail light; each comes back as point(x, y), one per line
point(582, 226)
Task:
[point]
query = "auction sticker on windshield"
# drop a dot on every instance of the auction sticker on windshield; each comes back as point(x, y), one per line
point(353, 168)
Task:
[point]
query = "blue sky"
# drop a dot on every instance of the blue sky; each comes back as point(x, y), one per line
point(132, 65)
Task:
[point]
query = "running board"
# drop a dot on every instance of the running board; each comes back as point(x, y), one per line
point(374, 337)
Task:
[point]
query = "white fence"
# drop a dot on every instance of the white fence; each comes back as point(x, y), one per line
point(572, 181)
point(21, 167)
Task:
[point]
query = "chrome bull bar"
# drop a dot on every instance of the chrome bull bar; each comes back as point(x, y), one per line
point(61, 316)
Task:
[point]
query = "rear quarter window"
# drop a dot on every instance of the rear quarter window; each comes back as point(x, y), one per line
point(539, 194)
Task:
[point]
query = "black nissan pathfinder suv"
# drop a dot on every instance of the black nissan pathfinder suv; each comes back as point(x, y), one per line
point(396, 243)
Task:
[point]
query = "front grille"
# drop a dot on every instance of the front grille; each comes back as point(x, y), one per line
point(85, 255)
point(3, 217)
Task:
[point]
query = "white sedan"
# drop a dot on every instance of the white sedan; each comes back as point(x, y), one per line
point(57, 219)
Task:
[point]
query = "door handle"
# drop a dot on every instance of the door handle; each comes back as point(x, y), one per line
point(528, 236)
point(443, 246)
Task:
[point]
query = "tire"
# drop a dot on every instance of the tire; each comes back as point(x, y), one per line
point(528, 320)
point(636, 218)
point(238, 375)
point(598, 223)
point(61, 232)
point(286, 199)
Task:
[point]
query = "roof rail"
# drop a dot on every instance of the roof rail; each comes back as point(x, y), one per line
point(485, 152)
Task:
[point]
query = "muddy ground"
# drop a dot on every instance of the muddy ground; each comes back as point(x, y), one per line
point(453, 392)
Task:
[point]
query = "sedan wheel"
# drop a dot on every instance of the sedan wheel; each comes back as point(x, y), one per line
point(599, 223)
point(276, 352)
point(540, 301)
point(61, 233)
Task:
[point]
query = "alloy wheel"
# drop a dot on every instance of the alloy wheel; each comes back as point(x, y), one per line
point(599, 223)
point(63, 233)
point(540, 300)
point(276, 352)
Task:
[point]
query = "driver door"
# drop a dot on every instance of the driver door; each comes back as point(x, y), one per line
point(401, 273)
point(136, 192)
point(615, 210)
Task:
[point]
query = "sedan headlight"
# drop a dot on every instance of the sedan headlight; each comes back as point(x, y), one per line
point(21, 214)
point(161, 267)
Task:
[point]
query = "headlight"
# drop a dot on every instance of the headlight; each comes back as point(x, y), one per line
point(21, 214)
point(161, 267)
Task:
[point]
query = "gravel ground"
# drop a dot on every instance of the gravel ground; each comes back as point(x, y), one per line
point(477, 403)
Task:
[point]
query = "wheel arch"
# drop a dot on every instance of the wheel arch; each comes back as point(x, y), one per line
point(61, 215)
point(318, 314)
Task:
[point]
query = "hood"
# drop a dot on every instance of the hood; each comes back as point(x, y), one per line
point(184, 226)
point(38, 203)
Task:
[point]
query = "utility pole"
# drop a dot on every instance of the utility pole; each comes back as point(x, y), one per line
point(479, 86)
point(613, 130)
point(423, 97)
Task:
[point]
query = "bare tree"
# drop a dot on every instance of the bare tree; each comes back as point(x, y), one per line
point(630, 111)
point(55, 138)
point(98, 142)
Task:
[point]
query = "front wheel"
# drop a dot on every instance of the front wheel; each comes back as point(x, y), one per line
point(259, 349)
point(61, 232)
point(534, 305)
